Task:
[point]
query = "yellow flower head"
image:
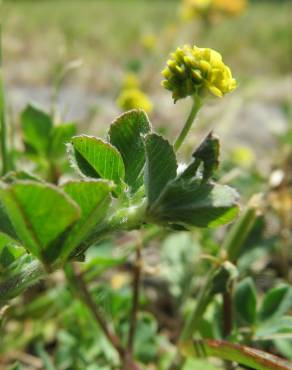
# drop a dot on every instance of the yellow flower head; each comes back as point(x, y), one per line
point(193, 70)
point(230, 7)
point(134, 98)
point(193, 8)
point(131, 81)
point(212, 9)
point(149, 42)
point(243, 156)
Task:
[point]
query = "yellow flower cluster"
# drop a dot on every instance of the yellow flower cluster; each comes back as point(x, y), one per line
point(134, 98)
point(131, 96)
point(149, 42)
point(230, 7)
point(212, 9)
point(130, 81)
point(194, 70)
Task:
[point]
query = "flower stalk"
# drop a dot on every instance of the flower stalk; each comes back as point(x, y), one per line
point(197, 104)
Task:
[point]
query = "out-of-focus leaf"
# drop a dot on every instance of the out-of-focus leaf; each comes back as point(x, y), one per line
point(277, 301)
point(98, 159)
point(5, 223)
point(193, 364)
point(276, 328)
point(16, 366)
point(61, 135)
point(36, 127)
point(19, 175)
point(9, 250)
point(179, 252)
point(284, 346)
point(246, 300)
point(39, 213)
point(145, 346)
point(161, 165)
point(126, 134)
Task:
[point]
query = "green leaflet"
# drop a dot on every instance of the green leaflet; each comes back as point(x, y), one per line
point(98, 159)
point(160, 167)
point(93, 198)
point(36, 127)
point(276, 302)
point(246, 300)
point(39, 213)
point(126, 134)
point(61, 135)
point(192, 203)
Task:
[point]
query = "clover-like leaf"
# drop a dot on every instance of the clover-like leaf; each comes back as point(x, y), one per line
point(5, 224)
point(9, 251)
point(39, 213)
point(192, 203)
point(93, 198)
point(14, 176)
point(36, 127)
point(98, 159)
point(61, 135)
point(126, 135)
point(246, 300)
point(277, 301)
point(160, 167)
point(280, 327)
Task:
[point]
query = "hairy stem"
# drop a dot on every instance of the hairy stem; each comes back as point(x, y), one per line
point(17, 283)
point(79, 286)
point(197, 104)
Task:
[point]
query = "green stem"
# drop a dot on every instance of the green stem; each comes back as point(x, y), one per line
point(240, 230)
point(205, 297)
point(197, 104)
point(218, 281)
point(136, 295)
point(3, 125)
point(243, 355)
point(123, 219)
